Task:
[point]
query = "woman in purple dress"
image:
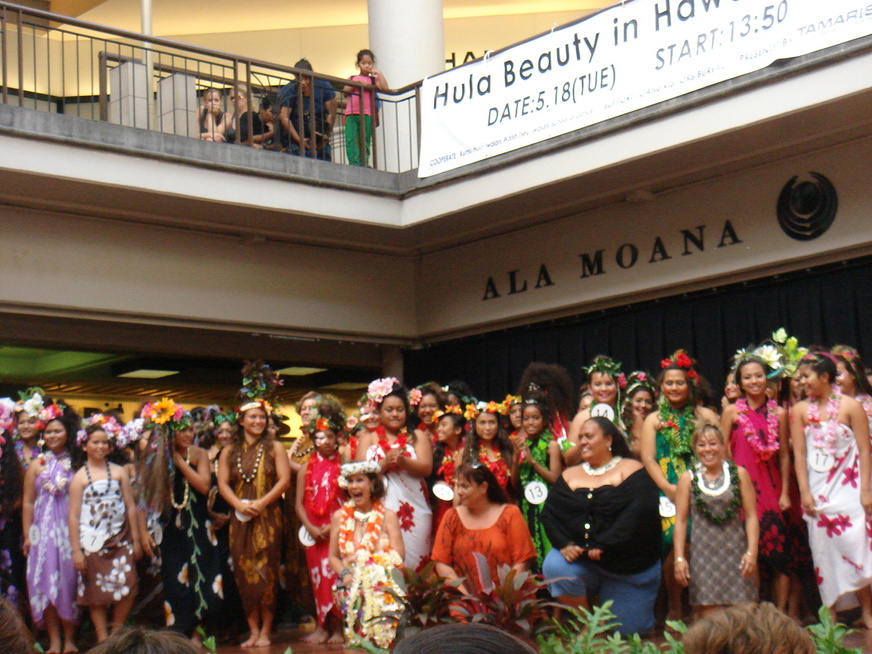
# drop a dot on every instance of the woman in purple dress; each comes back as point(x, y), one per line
point(51, 577)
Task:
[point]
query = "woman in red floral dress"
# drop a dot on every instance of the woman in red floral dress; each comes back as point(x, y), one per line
point(318, 497)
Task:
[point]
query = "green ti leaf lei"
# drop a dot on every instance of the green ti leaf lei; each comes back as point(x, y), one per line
point(734, 504)
point(676, 426)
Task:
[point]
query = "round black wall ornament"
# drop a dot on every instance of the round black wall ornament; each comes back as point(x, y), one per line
point(807, 209)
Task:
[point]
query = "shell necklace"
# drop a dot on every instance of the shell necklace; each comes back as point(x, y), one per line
point(186, 496)
point(603, 469)
point(249, 478)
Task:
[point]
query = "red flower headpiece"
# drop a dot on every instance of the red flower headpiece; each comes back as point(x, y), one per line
point(681, 360)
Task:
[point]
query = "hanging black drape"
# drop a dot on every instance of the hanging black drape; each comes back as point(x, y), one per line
point(825, 305)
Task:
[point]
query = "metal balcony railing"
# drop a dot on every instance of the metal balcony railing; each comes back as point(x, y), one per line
point(67, 66)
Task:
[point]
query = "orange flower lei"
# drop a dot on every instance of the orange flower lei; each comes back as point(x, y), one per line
point(497, 465)
point(374, 523)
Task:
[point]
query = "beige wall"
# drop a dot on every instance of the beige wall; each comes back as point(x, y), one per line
point(137, 273)
point(747, 200)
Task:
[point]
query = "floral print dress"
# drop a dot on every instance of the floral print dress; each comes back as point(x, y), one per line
point(838, 534)
point(105, 538)
point(407, 496)
point(51, 578)
point(190, 563)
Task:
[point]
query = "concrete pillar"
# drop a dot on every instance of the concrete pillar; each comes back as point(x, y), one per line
point(177, 105)
point(392, 361)
point(408, 39)
point(128, 95)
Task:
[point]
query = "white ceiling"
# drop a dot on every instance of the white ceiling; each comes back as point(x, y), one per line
point(172, 17)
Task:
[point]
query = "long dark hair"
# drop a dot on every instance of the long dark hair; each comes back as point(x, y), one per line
point(12, 477)
point(479, 473)
point(473, 443)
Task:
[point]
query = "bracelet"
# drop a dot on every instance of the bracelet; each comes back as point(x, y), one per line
point(343, 572)
point(678, 559)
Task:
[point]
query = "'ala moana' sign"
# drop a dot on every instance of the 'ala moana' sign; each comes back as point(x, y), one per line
point(625, 256)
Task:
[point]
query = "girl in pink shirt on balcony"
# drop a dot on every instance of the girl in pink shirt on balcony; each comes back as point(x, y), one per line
point(353, 111)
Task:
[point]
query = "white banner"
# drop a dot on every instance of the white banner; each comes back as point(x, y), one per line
point(622, 59)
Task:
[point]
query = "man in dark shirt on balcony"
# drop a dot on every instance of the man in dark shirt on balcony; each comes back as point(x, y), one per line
point(297, 133)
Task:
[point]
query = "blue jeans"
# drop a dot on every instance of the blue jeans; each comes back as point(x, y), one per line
point(633, 595)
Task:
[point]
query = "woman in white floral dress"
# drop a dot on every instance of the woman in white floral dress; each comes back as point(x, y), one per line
point(105, 546)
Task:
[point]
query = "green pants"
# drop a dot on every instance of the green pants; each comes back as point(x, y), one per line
point(352, 139)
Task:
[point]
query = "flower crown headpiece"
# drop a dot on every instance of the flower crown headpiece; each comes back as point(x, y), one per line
point(681, 360)
point(512, 400)
point(768, 353)
point(108, 423)
point(335, 423)
point(166, 413)
point(357, 468)
point(49, 413)
point(811, 357)
point(131, 432)
point(451, 409)
point(259, 386)
point(640, 379)
point(31, 401)
point(781, 354)
point(379, 389)
point(473, 410)
point(606, 366)
point(847, 352)
point(254, 404)
point(220, 417)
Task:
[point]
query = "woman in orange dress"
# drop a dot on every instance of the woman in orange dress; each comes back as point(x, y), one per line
point(483, 523)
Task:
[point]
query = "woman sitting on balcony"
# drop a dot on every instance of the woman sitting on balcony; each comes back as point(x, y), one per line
point(213, 121)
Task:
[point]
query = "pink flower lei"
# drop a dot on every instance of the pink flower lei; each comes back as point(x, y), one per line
point(826, 438)
point(765, 449)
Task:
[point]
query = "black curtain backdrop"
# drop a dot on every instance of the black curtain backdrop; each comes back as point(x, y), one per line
point(825, 305)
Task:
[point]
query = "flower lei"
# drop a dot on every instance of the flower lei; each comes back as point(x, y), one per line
point(374, 523)
point(19, 450)
point(763, 449)
point(368, 598)
point(676, 426)
point(386, 446)
point(56, 481)
point(826, 439)
point(732, 507)
point(448, 467)
point(497, 465)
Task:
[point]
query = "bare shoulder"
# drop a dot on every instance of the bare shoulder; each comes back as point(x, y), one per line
point(629, 466)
